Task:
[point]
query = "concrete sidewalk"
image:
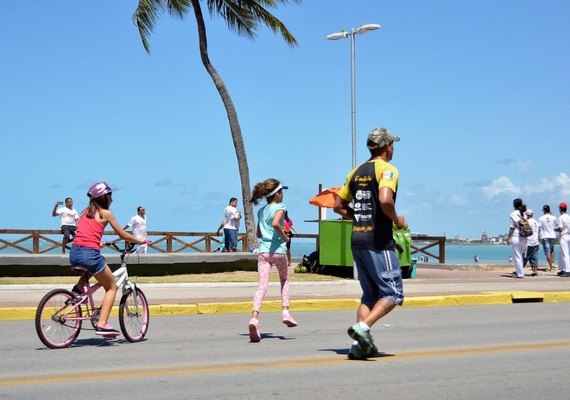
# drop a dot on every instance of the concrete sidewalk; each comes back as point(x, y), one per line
point(433, 286)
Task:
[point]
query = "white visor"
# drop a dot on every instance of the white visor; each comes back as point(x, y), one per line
point(278, 188)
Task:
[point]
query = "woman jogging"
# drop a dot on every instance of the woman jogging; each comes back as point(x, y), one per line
point(86, 249)
point(272, 250)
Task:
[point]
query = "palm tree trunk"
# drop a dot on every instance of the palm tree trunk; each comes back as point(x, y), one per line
point(234, 127)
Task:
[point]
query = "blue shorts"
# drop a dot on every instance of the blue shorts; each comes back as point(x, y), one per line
point(548, 246)
point(87, 257)
point(380, 276)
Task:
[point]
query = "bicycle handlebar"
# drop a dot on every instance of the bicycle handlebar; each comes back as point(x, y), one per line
point(129, 247)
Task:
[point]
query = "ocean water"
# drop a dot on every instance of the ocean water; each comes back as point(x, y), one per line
point(454, 254)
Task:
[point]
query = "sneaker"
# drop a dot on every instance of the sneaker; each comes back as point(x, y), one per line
point(356, 353)
point(363, 338)
point(77, 296)
point(288, 320)
point(106, 330)
point(533, 274)
point(561, 273)
point(254, 330)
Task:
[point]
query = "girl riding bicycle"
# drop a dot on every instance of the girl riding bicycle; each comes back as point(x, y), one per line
point(86, 249)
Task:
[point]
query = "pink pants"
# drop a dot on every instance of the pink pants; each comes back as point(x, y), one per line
point(264, 264)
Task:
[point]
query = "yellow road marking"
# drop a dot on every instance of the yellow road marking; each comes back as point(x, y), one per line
point(286, 363)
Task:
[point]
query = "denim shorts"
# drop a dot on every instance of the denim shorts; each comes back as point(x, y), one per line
point(87, 257)
point(548, 246)
point(380, 276)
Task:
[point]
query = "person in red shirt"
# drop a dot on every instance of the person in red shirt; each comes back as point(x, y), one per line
point(288, 228)
point(86, 249)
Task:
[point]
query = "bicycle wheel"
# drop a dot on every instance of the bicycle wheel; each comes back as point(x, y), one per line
point(57, 323)
point(134, 317)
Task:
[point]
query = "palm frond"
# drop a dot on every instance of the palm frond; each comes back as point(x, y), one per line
point(145, 17)
point(178, 8)
point(245, 16)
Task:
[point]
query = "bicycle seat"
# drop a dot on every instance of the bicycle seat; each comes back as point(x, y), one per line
point(79, 268)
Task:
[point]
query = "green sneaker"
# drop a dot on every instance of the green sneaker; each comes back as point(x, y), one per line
point(363, 338)
point(356, 353)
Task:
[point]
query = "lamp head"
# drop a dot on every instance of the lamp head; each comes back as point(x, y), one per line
point(362, 29)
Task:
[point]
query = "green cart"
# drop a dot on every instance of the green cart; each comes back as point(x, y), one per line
point(335, 254)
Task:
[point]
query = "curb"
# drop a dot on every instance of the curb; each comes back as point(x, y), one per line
point(28, 313)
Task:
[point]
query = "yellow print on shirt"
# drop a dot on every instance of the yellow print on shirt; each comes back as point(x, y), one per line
point(362, 229)
point(364, 179)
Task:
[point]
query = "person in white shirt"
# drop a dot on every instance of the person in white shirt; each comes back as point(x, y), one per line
point(230, 223)
point(517, 242)
point(531, 253)
point(564, 229)
point(69, 217)
point(548, 225)
point(138, 223)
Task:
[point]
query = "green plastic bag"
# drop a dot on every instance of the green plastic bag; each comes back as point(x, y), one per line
point(403, 239)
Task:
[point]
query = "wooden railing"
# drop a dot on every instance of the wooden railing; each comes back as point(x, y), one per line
point(163, 242)
point(421, 243)
point(30, 241)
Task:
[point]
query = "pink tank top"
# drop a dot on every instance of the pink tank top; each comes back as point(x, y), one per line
point(89, 232)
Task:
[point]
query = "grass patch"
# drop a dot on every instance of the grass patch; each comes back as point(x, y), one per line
point(220, 277)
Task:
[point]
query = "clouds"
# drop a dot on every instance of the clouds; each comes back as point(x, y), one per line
point(563, 181)
point(501, 186)
point(163, 182)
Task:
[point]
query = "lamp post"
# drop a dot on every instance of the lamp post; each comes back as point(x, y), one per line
point(345, 35)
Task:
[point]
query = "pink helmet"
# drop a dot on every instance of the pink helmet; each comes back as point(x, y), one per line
point(98, 190)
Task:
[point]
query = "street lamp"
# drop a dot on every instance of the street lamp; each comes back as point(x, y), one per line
point(345, 35)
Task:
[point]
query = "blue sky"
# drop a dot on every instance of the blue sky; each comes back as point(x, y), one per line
point(479, 93)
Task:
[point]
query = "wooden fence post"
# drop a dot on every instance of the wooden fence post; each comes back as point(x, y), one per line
point(36, 242)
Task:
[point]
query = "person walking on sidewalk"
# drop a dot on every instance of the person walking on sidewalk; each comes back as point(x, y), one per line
point(564, 229)
point(372, 186)
point(531, 252)
point(517, 242)
point(548, 225)
point(272, 250)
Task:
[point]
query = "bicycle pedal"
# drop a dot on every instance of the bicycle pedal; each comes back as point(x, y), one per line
point(111, 335)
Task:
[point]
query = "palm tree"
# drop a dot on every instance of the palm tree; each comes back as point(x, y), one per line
point(243, 17)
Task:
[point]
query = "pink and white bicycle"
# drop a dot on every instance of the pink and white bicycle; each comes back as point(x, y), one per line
point(61, 313)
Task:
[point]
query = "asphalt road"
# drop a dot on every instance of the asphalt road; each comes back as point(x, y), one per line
point(519, 351)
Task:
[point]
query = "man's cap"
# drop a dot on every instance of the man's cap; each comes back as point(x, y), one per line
point(563, 205)
point(99, 189)
point(546, 208)
point(380, 137)
point(529, 212)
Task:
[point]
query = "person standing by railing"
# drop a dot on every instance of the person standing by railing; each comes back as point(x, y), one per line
point(138, 222)
point(230, 223)
point(289, 230)
point(69, 217)
point(564, 230)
